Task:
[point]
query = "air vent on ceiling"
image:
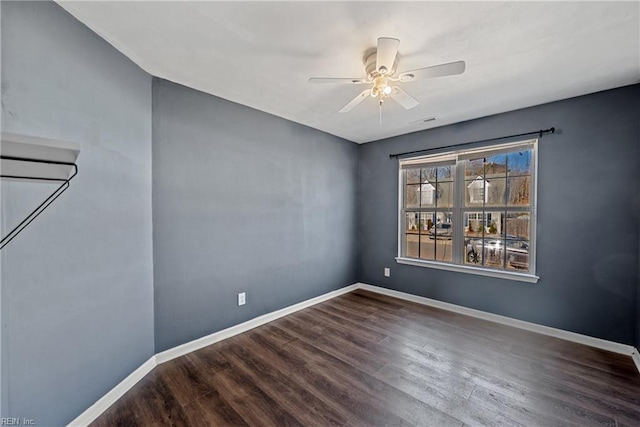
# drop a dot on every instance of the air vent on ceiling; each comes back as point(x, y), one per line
point(419, 121)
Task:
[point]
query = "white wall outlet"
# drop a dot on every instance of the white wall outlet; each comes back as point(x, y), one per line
point(242, 298)
point(387, 272)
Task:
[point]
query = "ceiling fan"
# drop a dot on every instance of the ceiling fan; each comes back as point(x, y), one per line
point(380, 66)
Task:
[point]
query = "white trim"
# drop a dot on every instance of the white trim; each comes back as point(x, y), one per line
point(501, 274)
point(636, 358)
point(95, 410)
point(199, 343)
point(521, 324)
point(533, 221)
point(402, 217)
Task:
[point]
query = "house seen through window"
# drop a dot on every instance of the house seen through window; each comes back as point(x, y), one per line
point(471, 208)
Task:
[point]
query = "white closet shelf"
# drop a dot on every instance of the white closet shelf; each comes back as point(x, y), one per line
point(30, 158)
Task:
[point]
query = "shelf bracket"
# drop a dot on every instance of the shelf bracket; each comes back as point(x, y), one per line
point(34, 159)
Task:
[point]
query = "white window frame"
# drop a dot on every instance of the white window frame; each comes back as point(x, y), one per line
point(459, 208)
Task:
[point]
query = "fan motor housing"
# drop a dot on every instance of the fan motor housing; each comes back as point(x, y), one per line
point(370, 65)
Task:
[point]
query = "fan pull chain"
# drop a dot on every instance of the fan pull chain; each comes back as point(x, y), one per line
point(381, 113)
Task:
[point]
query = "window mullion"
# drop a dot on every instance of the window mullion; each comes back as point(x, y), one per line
point(458, 220)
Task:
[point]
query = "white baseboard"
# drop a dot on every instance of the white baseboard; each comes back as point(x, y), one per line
point(521, 324)
point(95, 410)
point(199, 343)
point(112, 396)
point(90, 415)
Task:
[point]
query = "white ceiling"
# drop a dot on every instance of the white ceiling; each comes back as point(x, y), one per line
point(261, 54)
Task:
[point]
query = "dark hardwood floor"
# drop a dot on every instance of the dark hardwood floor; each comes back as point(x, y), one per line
point(366, 359)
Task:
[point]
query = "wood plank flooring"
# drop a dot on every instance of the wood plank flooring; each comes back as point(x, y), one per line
point(365, 359)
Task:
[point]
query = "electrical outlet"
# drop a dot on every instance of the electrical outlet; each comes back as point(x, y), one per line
point(242, 298)
point(387, 272)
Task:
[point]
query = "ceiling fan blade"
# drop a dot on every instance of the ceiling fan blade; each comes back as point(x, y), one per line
point(386, 54)
point(339, 80)
point(355, 101)
point(449, 69)
point(403, 98)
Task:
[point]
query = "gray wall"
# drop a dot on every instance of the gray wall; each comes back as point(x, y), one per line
point(244, 201)
point(587, 217)
point(77, 284)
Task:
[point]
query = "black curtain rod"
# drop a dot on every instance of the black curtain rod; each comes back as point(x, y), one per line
point(538, 132)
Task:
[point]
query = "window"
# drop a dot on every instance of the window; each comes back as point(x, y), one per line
point(471, 211)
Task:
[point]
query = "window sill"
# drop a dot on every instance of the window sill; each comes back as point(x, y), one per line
point(509, 275)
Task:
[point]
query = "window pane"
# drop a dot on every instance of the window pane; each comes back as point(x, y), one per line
point(411, 234)
point(517, 255)
point(474, 222)
point(489, 192)
point(496, 166)
point(411, 196)
point(427, 194)
point(441, 237)
point(413, 176)
point(518, 225)
point(413, 223)
point(427, 248)
point(443, 227)
point(520, 162)
point(485, 252)
point(476, 192)
point(444, 250)
point(473, 251)
point(519, 191)
point(429, 175)
point(474, 168)
point(493, 254)
point(427, 220)
point(493, 225)
point(445, 173)
point(444, 194)
point(411, 245)
point(495, 192)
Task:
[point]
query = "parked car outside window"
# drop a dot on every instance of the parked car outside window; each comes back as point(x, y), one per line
point(441, 231)
point(517, 252)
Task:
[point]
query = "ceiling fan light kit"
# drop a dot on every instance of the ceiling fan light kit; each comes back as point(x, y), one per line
point(381, 66)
